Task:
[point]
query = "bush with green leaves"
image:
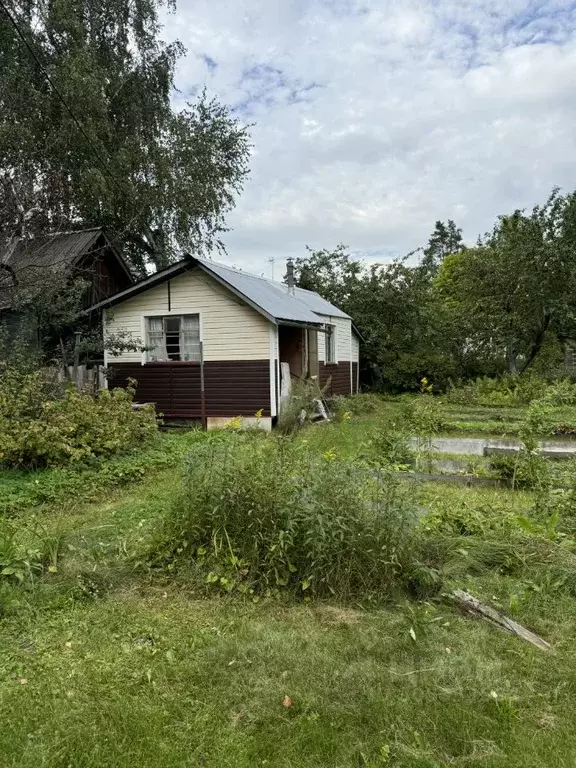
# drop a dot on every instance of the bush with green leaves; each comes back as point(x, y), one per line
point(302, 396)
point(528, 468)
point(361, 404)
point(560, 393)
point(388, 447)
point(44, 423)
point(507, 390)
point(261, 514)
point(424, 416)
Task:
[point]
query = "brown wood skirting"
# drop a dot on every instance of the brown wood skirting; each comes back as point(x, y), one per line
point(232, 387)
point(339, 373)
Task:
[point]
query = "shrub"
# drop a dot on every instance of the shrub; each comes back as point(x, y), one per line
point(507, 390)
point(302, 396)
point(260, 514)
point(388, 447)
point(358, 405)
point(560, 393)
point(42, 424)
point(424, 416)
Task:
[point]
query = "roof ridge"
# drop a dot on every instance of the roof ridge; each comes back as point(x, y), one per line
point(242, 272)
point(69, 232)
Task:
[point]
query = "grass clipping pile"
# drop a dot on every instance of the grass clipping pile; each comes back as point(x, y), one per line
point(259, 515)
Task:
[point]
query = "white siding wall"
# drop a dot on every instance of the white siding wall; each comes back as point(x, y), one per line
point(230, 329)
point(343, 339)
point(355, 348)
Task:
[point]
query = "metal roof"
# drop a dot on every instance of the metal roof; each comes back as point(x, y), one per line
point(273, 300)
point(319, 305)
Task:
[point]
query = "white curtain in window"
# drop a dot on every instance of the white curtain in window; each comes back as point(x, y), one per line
point(190, 338)
point(156, 340)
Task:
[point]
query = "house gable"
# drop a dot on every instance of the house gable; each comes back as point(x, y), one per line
point(230, 329)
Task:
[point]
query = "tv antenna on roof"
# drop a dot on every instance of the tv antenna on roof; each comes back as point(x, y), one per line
point(272, 261)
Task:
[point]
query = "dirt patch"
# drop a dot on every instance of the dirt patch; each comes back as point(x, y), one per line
point(332, 614)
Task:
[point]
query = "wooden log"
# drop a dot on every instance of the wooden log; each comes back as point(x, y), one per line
point(473, 606)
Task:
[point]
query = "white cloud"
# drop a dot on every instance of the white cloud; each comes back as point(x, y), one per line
point(374, 119)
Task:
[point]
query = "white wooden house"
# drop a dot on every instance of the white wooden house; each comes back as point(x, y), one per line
point(215, 338)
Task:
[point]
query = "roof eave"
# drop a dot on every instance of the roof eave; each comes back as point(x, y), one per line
point(357, 332)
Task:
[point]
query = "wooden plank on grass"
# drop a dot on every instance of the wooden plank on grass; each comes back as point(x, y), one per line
point(473, 606)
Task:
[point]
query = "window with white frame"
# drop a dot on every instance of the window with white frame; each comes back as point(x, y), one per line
point(330, 344)
point(173, 338)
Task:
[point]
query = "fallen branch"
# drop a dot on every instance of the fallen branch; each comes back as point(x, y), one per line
point(473, 606)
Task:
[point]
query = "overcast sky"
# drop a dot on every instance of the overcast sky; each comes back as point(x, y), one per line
point(374, 119)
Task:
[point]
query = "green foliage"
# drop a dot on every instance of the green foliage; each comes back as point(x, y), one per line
point(362, 404)
point(41, 426)
point(388, 447)
point(302, 396)
point(23, 561)
point(525, 470)
point(158, 179)
point(508, 391)
point(21, 490)
point(561, 392)
point(445, 240)
point(424, 415)
point(260, 515)
point(518, 284)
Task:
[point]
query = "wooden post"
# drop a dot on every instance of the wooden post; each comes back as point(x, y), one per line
point(75, 376)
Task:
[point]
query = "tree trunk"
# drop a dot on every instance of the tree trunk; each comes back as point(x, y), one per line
point(537, 343)
point(511, 357)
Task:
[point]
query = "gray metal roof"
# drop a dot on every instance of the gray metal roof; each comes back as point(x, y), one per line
point(274, 298)
point(319, 305)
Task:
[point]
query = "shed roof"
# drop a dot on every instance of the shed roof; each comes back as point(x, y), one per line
point(272, 299)
point(25, 259)
point(58, 249)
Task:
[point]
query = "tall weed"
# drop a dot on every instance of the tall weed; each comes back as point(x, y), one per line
point(260, 515)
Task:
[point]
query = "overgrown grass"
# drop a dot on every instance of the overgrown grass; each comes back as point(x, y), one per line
point(22, 489)
point(107, 664)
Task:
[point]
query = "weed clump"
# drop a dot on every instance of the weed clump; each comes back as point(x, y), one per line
point(260, 515)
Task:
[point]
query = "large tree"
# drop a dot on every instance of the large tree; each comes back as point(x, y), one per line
point(519, 283)
point(102, 144)
point(446, 239)
point(407, 332)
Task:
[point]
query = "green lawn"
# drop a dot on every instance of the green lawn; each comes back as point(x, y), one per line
point(103, 664)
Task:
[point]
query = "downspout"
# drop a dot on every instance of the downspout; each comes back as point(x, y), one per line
point(203, 418)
